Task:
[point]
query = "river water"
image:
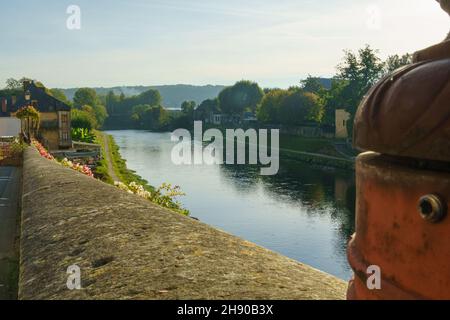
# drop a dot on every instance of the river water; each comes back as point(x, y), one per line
point(304, 212)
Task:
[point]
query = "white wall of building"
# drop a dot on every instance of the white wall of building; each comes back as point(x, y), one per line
point(9, 127)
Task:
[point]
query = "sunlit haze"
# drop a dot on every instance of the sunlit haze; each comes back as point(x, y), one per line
point(137, 42)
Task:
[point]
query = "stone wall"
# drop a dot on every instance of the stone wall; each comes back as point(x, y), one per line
point(129, 248)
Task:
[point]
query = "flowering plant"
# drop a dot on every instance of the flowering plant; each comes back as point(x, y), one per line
point(66, 163)
point(42, 150)
point(77, 167)
point(163, 196)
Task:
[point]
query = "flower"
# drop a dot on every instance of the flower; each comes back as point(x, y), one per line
point(65, 162)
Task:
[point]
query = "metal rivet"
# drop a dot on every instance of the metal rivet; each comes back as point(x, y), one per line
point(432, 208)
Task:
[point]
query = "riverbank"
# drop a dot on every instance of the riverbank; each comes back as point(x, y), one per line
point(113, 168)
point(321, 152)
point(319, 160)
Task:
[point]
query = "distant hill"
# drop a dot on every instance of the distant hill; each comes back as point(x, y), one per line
point(172, 95)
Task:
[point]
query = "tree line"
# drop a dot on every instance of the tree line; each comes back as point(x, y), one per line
point(308, 103)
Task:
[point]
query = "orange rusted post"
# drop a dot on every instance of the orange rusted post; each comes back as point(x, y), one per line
point(403, 183)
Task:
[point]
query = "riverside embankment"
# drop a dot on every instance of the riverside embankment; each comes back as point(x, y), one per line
point(128, 248)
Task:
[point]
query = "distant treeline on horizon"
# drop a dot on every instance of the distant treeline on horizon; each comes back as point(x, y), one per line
point(172, 96)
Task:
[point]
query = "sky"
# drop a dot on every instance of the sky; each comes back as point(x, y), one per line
point(153, 42)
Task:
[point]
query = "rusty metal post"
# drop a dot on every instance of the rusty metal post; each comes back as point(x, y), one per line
point(403, 183)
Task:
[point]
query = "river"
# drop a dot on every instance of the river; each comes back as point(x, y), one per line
point(303, 212)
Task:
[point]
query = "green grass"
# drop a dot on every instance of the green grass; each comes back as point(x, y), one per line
point(128, 176)
point(101, 171)
point(120, 167)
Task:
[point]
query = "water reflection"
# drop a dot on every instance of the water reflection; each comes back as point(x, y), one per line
point(304, 212)
point(318, 191)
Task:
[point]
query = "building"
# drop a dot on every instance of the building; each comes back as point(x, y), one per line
point(342, 117)
point(54, 128)
point(215, 118)
point(249, 117)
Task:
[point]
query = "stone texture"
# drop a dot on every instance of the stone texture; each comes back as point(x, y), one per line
point(129, 248)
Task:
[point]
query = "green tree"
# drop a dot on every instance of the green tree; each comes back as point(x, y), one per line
point(150, 117)
point(112, 102)
point(315, 107)
point(243, 96)
point(268, 110)
point(151, 97)
point(85, 96)
point(60, 95)
point(360, 72)
point(188, 107)
point(312, 84)
point(207, 107)
point(300, 107)
point(396, 61)
point(83, 119)
point(88, 97)
point(334, 98)
point(13, 84)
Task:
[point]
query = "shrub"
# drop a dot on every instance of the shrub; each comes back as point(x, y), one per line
point(83, 135)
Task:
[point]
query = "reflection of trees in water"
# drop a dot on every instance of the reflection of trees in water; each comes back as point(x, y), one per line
point(244, 178)
point(318, 191)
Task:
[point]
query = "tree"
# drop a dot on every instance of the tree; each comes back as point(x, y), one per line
point(312, 84)
point(360, 72)
point(13, 84)
point(112, 102)
point(151, 97)
point(395, 62)
point(268, 110)
point(85, 96)
point(300, 107)
point(146, 116)
point(188, 107)
point(60, 95)
point(207, 107)
point(83, 119)
point(243, 96)
point(315, 107)
point(332, 99)
point(88, 97)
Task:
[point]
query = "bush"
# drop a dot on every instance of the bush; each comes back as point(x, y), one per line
point(83, 119)
point(83, 135)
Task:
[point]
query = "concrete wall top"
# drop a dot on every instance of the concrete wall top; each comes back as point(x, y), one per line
point(128, 248)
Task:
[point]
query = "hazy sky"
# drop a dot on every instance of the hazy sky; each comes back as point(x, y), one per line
point(150, 42)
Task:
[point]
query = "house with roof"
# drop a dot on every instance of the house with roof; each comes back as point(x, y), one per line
point(54, 128)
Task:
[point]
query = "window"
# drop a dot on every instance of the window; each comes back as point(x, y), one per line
point(64, 119)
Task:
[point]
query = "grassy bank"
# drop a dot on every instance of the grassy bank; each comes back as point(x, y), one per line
point(119, 164)
point(310, 145)
point(316, 151)
point(101, 171)
point(165, 195)
point(126, 175)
